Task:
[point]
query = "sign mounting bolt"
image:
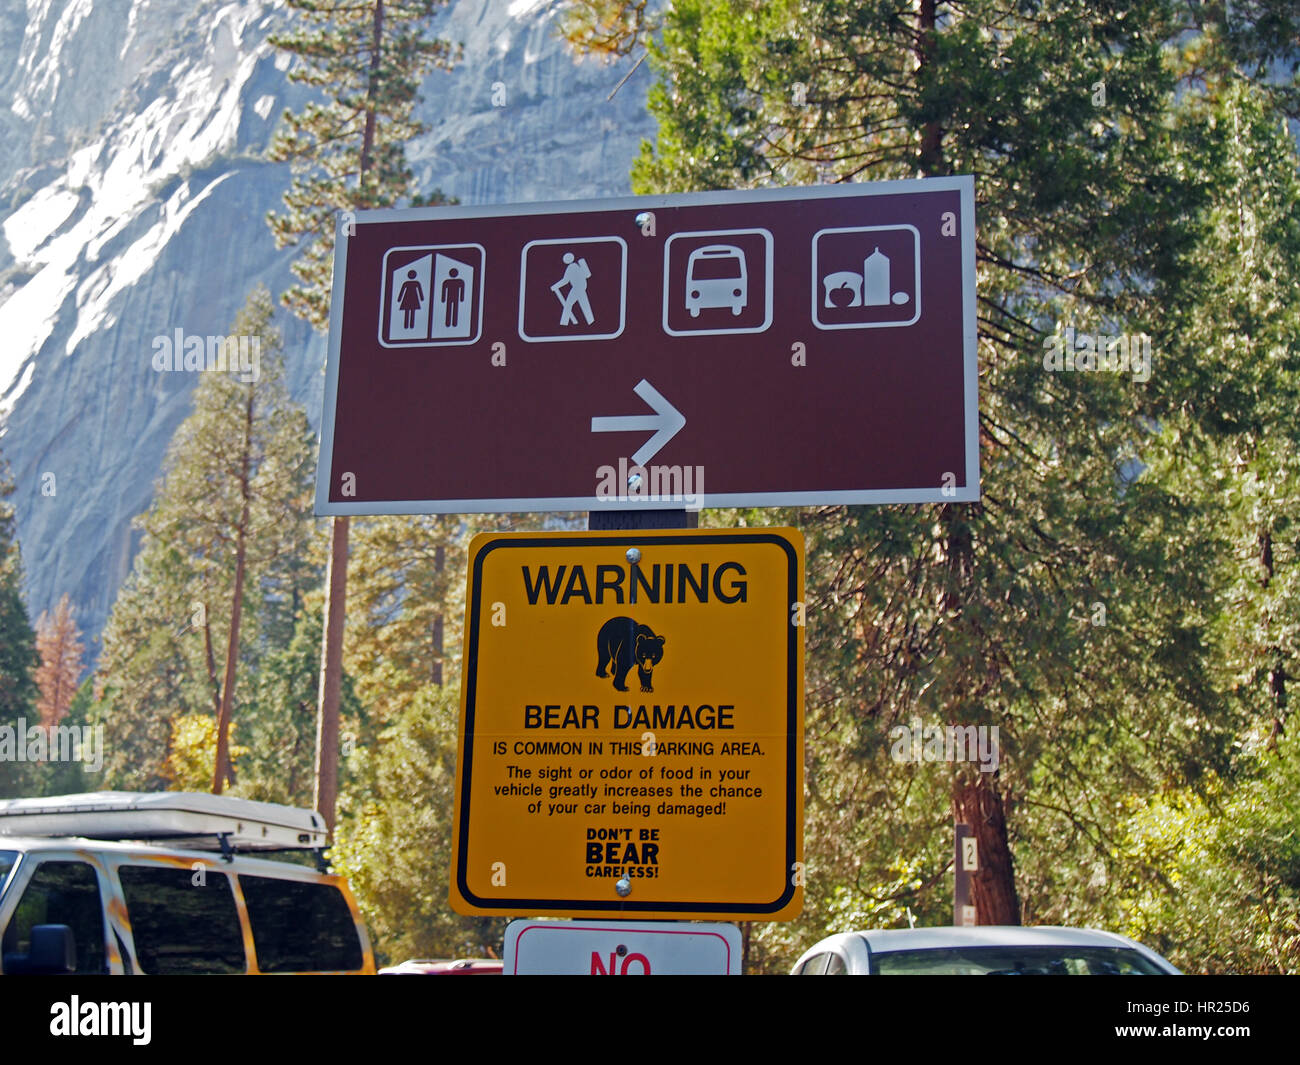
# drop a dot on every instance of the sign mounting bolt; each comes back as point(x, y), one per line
point(634, 555)
point(624, 888)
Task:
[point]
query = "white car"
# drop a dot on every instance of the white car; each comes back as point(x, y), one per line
point(170, 883)
point(985, 950)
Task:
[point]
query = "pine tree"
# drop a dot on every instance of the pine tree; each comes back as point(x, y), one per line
point(407, 598)
point(349, 153)
point(395, 847)
point(988, 614)
point(938, 599)
point(1232, 387)
point(223, 552)
point(367, 59)
point(58, 641)
point(278, 723)
point(18, 658)
point(1214, 867)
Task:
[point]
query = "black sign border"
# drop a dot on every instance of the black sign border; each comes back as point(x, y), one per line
point(794, 776)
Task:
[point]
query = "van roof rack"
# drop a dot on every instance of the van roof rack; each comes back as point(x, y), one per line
point(189, 819)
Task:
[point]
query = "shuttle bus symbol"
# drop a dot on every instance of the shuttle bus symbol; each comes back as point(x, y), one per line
point(716, 277)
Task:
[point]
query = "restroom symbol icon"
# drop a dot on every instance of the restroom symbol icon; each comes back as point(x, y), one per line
point(431, 296)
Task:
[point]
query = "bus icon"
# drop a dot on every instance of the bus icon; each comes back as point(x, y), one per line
point(716, 277)
point(717, 281)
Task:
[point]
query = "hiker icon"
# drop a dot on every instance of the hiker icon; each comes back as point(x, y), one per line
point(410, 298)
point(576, 273)
point(586, 276)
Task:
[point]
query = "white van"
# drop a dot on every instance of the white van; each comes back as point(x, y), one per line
point(162, 883)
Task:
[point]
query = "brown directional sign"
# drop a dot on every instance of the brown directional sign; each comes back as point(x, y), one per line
point(760, 348)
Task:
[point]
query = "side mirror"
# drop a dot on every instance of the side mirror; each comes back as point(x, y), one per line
point(53, 950)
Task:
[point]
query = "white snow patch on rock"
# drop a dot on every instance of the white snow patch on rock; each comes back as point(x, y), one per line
point(31, 225)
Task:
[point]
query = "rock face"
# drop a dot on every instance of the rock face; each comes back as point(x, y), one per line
point(132, 201)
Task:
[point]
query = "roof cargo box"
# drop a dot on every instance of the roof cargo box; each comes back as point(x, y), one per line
point(183, 818)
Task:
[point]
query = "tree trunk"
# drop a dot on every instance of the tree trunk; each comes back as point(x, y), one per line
point(336, 580)
point(930, 155)
point(331, 674)
point(221, 771)
point(372, 90)
point(1277, 675)
point(214, 685)
point(976, 801)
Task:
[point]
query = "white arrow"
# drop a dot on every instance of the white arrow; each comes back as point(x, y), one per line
point(665, 422)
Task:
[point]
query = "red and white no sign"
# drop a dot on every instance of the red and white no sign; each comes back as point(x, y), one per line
point(767, 347)
point(612, 948)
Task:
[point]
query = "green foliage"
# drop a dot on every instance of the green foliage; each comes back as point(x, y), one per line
point(406, 590)
point(348, 151)
point(69, 778)
point(1107, 202)
point(1215, 881)
point(176, 603)
point(18, 658)
point(279, 722)
point(394, 839)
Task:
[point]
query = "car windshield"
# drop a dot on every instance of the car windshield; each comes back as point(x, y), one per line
point(1013, 961)
point(8, 859)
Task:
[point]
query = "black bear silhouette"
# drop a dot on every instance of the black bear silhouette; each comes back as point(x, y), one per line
point(623, 643)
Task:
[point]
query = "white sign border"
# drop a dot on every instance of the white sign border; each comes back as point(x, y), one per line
point(516, 930)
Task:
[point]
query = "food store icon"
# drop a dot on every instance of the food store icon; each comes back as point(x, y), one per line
point(866, 277)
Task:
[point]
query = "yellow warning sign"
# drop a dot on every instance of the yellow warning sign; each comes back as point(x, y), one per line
point(631, 733)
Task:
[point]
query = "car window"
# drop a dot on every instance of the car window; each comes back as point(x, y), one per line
point(835, 965)
point(1014, 961)
point(182, 920)
point(59, 893)
point(8, 859)
point(814, 966)
point(299, 926)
